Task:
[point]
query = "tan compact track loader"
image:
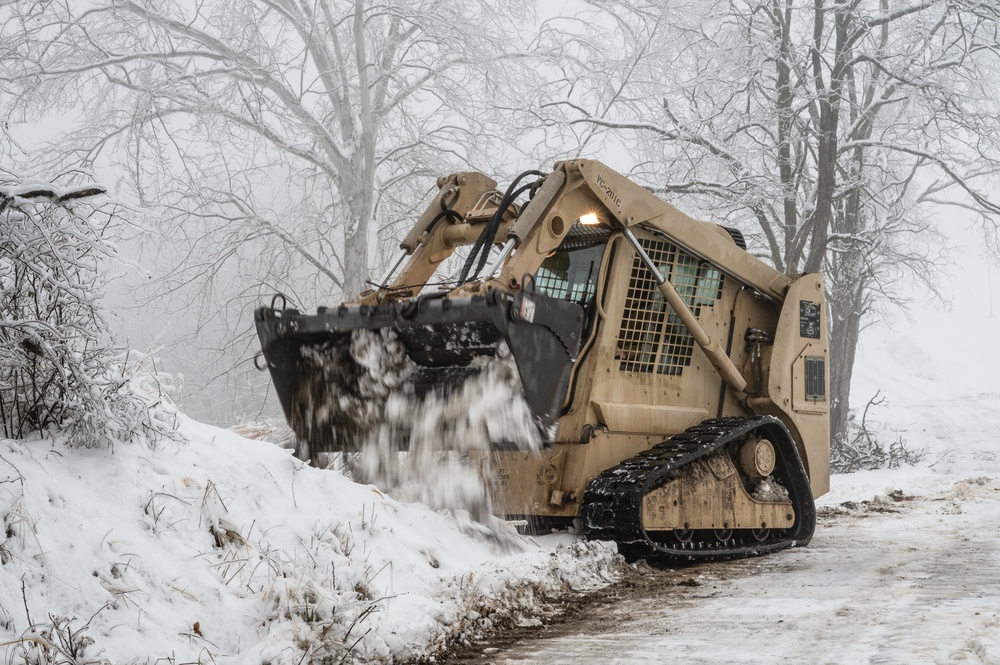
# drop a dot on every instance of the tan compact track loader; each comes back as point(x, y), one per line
point(678, 383)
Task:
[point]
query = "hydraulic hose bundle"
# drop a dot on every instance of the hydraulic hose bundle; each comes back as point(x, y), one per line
point(481, 248)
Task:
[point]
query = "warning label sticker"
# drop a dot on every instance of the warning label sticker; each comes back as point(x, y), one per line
point(809, 313)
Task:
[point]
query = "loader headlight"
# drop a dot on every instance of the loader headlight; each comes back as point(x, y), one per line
point(590, 219)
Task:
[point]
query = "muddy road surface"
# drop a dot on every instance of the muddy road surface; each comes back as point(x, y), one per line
point(900, 579)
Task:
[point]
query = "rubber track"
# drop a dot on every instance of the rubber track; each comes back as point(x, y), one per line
point(612, 503)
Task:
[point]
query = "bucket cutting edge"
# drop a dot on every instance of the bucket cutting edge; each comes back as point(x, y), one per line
point(332, 383)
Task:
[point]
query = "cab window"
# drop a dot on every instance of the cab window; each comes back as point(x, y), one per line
point(570, 273)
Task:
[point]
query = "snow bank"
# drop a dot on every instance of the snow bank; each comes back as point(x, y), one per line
point(227, 550)
point(936, 377)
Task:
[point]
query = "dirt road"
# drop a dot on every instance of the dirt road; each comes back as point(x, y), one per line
point(902, 579)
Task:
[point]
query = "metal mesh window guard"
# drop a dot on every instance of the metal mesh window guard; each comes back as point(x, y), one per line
point(652, 335)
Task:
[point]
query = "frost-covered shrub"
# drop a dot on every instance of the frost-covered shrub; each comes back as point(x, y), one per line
point(58, 367)
point(862, 449)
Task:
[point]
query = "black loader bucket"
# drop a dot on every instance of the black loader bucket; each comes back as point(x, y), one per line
point(335, 371)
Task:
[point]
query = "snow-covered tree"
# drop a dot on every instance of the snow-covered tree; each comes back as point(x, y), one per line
point(825, 129)
point(285, 125)
point(282, 142)
point(59, 367)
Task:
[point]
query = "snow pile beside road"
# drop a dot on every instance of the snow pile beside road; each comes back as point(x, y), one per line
point(937, 393)
point(223, 549)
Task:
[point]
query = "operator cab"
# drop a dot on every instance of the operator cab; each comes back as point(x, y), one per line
point(572, 271)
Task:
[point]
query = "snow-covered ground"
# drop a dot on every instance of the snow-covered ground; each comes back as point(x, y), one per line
point(901, 582)
point(216, 548)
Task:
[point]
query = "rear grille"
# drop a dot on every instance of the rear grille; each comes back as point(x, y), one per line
point(815, 378)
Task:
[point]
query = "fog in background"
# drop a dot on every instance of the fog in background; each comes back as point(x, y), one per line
point(277, 146)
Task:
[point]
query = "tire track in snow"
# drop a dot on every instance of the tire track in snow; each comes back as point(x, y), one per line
point(948, 580)
point(908, 582)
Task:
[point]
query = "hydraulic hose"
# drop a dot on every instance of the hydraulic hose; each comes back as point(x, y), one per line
point(481, 247)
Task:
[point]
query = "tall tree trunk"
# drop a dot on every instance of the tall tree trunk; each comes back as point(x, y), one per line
point(844, 331)
point(829, 101)
point(356, 260)
point(849, 280)
point(784, 103)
